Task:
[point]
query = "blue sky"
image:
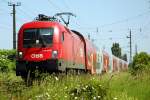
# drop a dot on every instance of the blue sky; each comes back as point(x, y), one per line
point(112, 18)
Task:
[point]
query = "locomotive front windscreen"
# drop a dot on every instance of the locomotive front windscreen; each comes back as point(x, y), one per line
point(41, 37)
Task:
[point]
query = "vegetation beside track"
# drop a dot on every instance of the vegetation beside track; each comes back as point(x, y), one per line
point(120, 86)
point(116, 86)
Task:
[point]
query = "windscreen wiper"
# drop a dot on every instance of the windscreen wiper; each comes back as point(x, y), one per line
point(42, 41)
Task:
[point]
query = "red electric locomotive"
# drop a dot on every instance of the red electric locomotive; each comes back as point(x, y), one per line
point(48, 46)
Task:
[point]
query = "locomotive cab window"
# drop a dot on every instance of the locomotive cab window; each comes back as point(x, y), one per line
point(29, 37)
point(38, 37)
point(46, 35)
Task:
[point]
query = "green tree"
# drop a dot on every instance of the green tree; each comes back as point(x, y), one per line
point(116, 50)
point(124, 57)
point(141, 58)
point(141, 62)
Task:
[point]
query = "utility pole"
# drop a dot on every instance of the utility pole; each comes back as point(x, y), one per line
point(14, 21)
point(130, 37)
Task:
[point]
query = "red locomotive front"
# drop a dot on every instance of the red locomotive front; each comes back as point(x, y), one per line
point(39, 45)
point(48, 46)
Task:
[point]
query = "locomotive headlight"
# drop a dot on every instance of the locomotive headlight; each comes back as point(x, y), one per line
point(20, 54)
point(54, 54)
point(56, 30)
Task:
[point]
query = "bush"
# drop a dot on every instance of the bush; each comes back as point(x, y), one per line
point(141, 62)
point(7, 60)
point(89, 91)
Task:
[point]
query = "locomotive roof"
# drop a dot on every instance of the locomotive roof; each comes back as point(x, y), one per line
point(41, 23)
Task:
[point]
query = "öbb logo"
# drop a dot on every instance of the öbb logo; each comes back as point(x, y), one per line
point(36, 55)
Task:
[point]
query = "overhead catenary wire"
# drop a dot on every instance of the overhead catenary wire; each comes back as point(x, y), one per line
point(28, 9)
point(66, 5)
point(24, 12)
point(126, 20)
point(55, 6)
point(119, 21)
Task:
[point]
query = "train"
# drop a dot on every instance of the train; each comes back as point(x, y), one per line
point(48, 46)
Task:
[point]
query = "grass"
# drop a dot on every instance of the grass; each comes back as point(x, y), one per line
point(116, 86)
point(125, 85)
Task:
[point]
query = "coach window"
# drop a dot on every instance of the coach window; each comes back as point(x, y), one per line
point(62, 37)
